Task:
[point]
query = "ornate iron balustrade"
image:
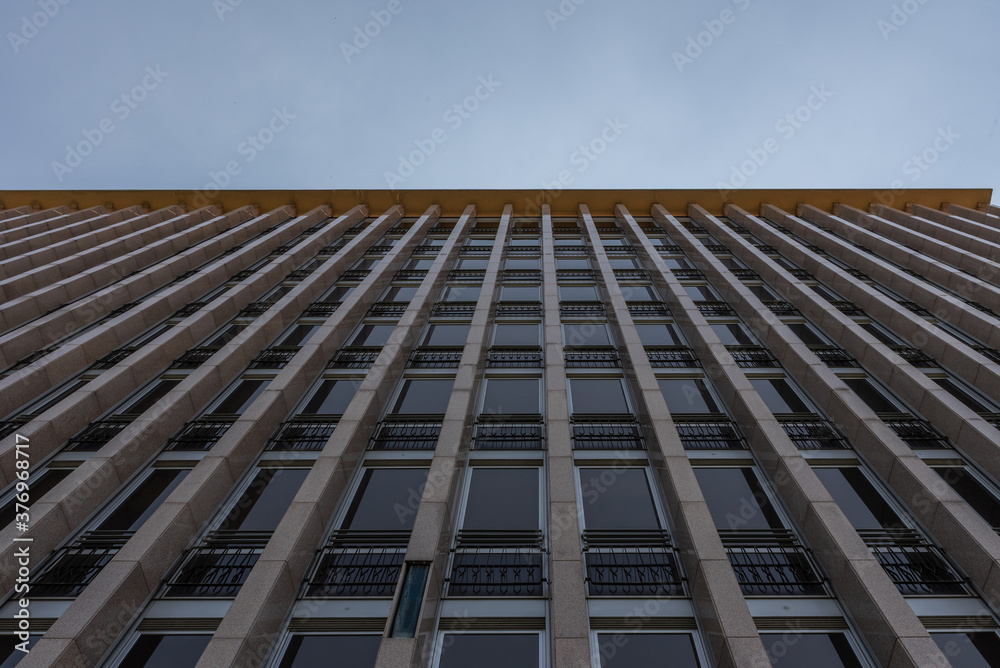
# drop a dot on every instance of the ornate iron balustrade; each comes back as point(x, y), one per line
point(523, 250)
point(710, 434)
point(218, 567)
point(275, 357)
point(715, 308)
point(989, 353)
point(631, 273)
point(753, 357)
point(522, 275)
point(813, 434)
point(466, 274)
point(631, 563)
point(476, 229)
point(718, 249)
point(454, 310)
point(565, 248)
point(241, 275)
point(503, 435)
point(745, 274)
point(519, 309)
point(436, 358)
point(767, 249)
point(189, 309)
point(670, 249)
point(199, 435)
point(358, 564)
point(98, 433)
point(497, 563)
point(915, 308)
point(321, 309)
point(380, 249)
point(781, 307)
point(857, 273)
point(591, 358)
point(256, 308)
point(354, 358)
point(194, 358)
point(410, 275)
point(74, 567)
point(286, 248)
point(686, 274)
point(581, 309)
point(299, 274)
point(607, 435)
point(574, 273)
point(114, 357)
point(406, 435)
point(124, 308)
point(476, 251)
point(915, 566)
point(846, 307)
point(183, 277)
point(771, 563)
point(918, 434)
point(387, 309)
point(671, 357)
point(834, 356)
point(648, 309)
point(29, 359)
point(302, 434)
point(8, 427)
point(355, 275)
point(503, 358)
point(914, 356)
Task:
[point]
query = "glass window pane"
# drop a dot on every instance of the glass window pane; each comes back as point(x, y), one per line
point(577, 293)
point(972, 649)
point(816, 650)
point(372, 335)
point(494, 650)
point(736, 499)
point(779, 396)
point(331, 397)
point(733, 334)
point(520, 293)
point(166, 651)
point(762, 293)
point(525, 264)
point(307, 651)
point(461, 293)
point(858, 498)
point(131, 512)
point(446, 335)
point(701, 293)
point(502, 500)
point(631, 650)
point(517, 335)
point(472, 264)
point(418, 264)
point(807, 334)
point(400, 293)
point(386, 500)
point(624, 263)
point(639, 293)
point(264, 502)
point(965, 395)
point(975, 494)
point(872, 395)
point(337, 293)
point(509, 396)
point(688, 395)
point(297, 335)
point(39, 487)
point(617, 499)
point(659, 335)
point(239, 398)
point(149, 397)
point(586, 334)
point(597, 396)
point(572, 263)
point(10, 656)
point(423, 396)
point(881, 334)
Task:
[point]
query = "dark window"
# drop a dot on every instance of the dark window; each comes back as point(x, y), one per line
point(372, 335)
point(494, 650)
point(166, 651)
point(972, 649)
point(626, 263)
point(678, 263)
point(736, 499)
point(572, 263)
point(517, 335)
point(779, 396)
point(422, 264)
point(523, 264)
point(733, 334)
point(472, 264)
point(461, 293)
point(307, 651)
point(520, 293)
point(828, 295)
point(446, 335)
point(598, 396)
point(701, 293)
point(479, 242)
point(400, 293)
point(688, 395)
point(56, 397)
point(640, 293)
point(39, 487)
point(10, 656)
point(423, 396)
point(869, 393)
point(337, 293)
point(762, 293)
point(617, 499)
point(331, 397)
point(630, 650)
point(963, 394)
point(816, 650)
point(882, 335)
point(146, 338)
point(973, 491)
point(502, 500)
point(663, 334)
point(364, 264)
point(264, 502)
point(239, 398)
point(586, 334)
point(578, 293)
point(732, 263)
point(277, 293)
point(858, 499)
point(149, 397)
point(386, 500)
point(297, 335)
point(509, 396)
point(130, 514)
point(524, 241)
point(807, 334)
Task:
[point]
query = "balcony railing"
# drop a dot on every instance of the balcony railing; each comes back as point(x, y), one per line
point(194, 358)
point(454, 309)
point(497, 563)
point(607, 435)
point(648, 309)
point(218, 567)
point(406, 435)
point(715, 308)
point(275, 357)
point(771, 563)
point(519, 309)
point(355, 275)
point(466, 274)
point(72, 568)
point(745, 274)
point(813, 434)
point(685, 274)
point(522, 275)
point(915, 308)
point(591, 358)
point(502, 358)
point(989, 353)
point(914, 566)
point(358, 564)
point(671, 357)
point(321, 309)
point(28, 359)
point(847, 308)
point(914, 356)
point(502, 435)
point(436, 358)
point(631, 563)
point(410, 275)
point(581, 309)
point(354, 358)
point(114, 357)
point(189, 309)
point(387, 309)
point(302, 434)
point(98, 433)
point(918, 434)
point(199, 435)
point(834, 356)
point(781, 307)
point(255, 309)
point(753, 357)
point(710, 434)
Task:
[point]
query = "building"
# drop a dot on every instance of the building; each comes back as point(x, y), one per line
point(456, 429)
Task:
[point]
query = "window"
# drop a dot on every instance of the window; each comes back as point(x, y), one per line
point(615, 499)
point(372, 335)
point(732, 263)
point(780, 396)
point(880, 333)
point(872, 395)
point(578, 293)
point(965, 394)
point(445, 335)
point(736, 499)
point(520, 293)
point(816, 650)
point(149, 396)
point(239, 397)
point(461, 293)
point(502, 499)
point(626, 263)
point(264, 502)
point(306, 651)
point(639, 293)
point(762, 293)
point(418, 264)
point(970, 649)
point(337, 293)
point(522, 264)
point(401, 294)
point(572, 263)
point(733, 334)
point(39, 487)
point(384, 501)
point(489, 650)
point(586, 334)
point(135, 509)
point(331, 397)
point(10, 656)
point(688, 395)
point(629, 650)
point(596, 396)
point(157, 650)
point(517, 335)
point(807, 334)
point(512, 396)
point(975, 493)
point(423, 396)
point(664, 334)
point(701, 293)
point(297, 335)
point(364, 264)
point(479, 242)
point(472, 264)
point(858, 498)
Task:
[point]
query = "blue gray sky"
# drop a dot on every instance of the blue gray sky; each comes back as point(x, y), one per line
point(408, 94)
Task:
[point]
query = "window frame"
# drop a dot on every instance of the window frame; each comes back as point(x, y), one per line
point(542, 642)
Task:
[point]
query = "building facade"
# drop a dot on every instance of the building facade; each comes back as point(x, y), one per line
point(454, 429)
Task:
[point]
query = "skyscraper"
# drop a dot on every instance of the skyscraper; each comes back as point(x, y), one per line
point(458, 428)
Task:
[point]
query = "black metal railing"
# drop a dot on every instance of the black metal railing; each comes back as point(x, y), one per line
point(989, 353)
point(194, 358)
point(581, 309)
point(503, 435)
point(846, 307)
point(28, 359)
point(387, 309)
point(745, 274)
point(124, 308)
point(714, 248)
point(631, 563)
point(574, 273)
point(813, 434)
point(74, 567)
point(454, 310)
point(410, 275)
point(522, 275)
point(256, 308)
point(781, 307)
point(354, 358)
point(218, 567)
point(802, 274)
point(648, 309)
point(321, 309)
point(687, 273)
point(497, 563)
point(670, 249)
point(753, 357)
point(607, 435)
point(302, 434)
point(275, 357)
point(8, 427)
point(519, 309)
point(918, 434)
point(466, 274)
point(98, 433)
point(500, 358)
point(241, 275)
point(710, 434)
point(915, 308)
point(199, 435)
point(114, 357)
point(436, 358)
point(715, 308)
point(189, 309)
point(590, 358)
point(358, 564)
point(771, 563)
point(671, 357)
point(355, 275)
point(914, 356)
point(834, 356)
point(406, 435)
point(915, 566)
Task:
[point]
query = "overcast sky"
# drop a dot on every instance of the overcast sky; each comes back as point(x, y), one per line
point(516, 94)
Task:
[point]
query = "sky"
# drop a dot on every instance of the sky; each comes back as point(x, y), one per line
point(424, 94)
